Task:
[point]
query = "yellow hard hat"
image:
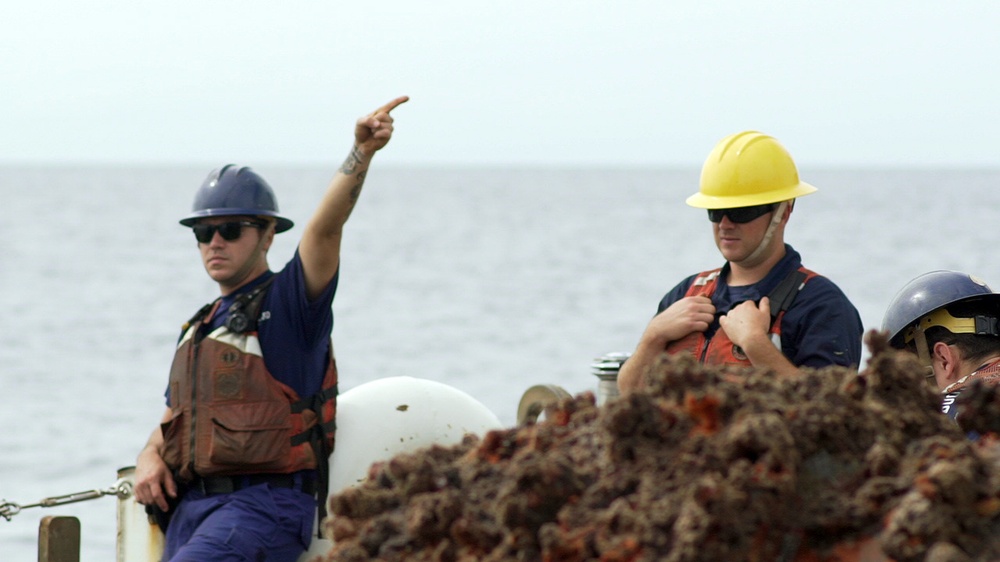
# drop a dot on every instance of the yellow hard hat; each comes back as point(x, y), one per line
point(745, 169)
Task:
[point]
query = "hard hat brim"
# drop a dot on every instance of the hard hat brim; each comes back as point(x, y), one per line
point(282, 224)
point(702, 201)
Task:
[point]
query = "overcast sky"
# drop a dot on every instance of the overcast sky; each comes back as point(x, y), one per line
point(561, 82)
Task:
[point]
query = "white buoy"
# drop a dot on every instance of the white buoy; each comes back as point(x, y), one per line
point(383, 418)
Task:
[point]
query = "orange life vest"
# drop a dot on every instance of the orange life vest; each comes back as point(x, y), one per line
point(231, 416)
point(719, 349)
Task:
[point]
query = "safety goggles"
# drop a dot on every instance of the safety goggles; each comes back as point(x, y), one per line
point(228, 230)
point(740, 215)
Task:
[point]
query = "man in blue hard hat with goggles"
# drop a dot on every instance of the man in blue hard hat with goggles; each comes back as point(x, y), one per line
point(951, 321)
point(240, 456)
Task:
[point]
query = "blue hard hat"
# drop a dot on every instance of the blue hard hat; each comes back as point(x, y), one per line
point(927, 293)
point(234, 190)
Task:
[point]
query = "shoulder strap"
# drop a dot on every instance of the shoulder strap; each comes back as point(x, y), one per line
point(244, 312)
point(705, 277)
point(202, 312)
point(782, 296)
point(703, 284)
point(198, 317)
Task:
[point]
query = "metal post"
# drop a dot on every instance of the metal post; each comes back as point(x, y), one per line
point(606, 368)
point(59, 539)
point(139, 539)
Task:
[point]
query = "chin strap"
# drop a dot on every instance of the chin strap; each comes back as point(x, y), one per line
point(769, 233)
point(923, 352)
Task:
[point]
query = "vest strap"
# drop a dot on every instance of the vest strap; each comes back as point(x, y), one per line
point(316, 437)
point(782, 296)
point(315, 401)
point(244, 312)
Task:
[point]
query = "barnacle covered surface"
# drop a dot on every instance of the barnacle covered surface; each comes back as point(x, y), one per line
point(706, 464)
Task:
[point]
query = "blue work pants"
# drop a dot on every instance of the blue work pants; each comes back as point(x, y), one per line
point(259, 523)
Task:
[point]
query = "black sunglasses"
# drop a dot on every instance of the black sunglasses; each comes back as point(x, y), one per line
point(741, 215)
point(228, 230)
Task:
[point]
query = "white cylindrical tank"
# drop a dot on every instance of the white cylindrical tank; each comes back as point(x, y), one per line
point(380, 419)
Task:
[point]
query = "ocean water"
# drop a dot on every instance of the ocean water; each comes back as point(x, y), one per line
point(490, 280)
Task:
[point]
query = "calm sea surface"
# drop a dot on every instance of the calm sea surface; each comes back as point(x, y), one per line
point(490, 280)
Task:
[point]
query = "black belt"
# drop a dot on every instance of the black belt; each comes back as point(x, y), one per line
point(229, 484)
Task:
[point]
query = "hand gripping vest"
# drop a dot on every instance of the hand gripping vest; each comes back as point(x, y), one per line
point(720, 350)
point(230, 416)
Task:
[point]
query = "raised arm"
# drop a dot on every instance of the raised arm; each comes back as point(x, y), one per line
point(320, 245)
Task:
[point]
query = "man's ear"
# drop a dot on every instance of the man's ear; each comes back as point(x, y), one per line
point(787, 212)
point(268, 234)
point(268, 238)
point(948, 358)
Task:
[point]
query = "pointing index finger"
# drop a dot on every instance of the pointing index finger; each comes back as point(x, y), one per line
point(391, 105)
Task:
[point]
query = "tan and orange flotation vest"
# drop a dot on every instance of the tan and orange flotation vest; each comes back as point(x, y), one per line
point(719, 349)
point(230, 415)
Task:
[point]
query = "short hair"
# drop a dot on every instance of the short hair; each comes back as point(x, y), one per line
point(973, 347)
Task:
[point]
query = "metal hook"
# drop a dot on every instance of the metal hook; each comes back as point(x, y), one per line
point(9, 509)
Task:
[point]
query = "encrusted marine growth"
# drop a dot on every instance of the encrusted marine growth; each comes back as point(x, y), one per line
point(707, 464)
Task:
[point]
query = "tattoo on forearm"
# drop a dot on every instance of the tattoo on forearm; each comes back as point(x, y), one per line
point(356, 190)
point(352, 162)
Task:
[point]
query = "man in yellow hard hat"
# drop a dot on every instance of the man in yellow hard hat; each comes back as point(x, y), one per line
point(761, 308)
